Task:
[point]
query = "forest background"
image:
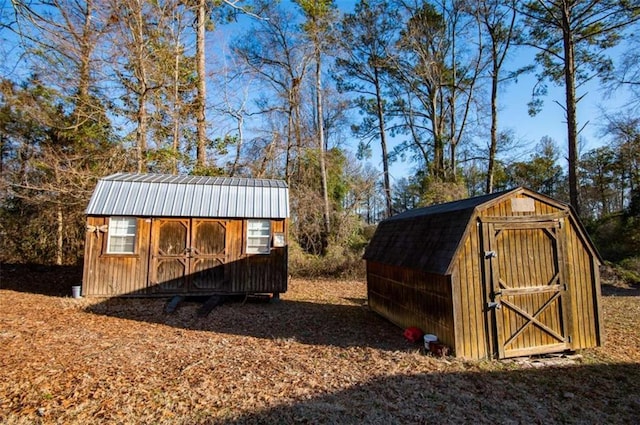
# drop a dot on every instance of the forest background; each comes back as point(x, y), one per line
point(327, 97)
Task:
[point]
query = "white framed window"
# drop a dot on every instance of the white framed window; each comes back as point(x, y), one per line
point(122, 235)
point(258, 236)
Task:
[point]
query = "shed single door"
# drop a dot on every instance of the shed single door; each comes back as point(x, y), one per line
point(528, 298)
point(187, 255)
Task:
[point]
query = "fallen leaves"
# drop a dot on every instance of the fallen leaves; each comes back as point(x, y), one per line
point(318, 356)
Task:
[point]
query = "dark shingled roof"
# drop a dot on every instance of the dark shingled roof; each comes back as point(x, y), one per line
point(426, 238)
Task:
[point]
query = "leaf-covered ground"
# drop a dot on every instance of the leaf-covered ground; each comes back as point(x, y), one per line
point(318, 356)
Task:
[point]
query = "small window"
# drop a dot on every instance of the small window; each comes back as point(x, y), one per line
point(258, 236)
point(122, 235)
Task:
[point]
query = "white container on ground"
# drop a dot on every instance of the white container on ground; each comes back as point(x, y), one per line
point(76, 291)
point(428, 339)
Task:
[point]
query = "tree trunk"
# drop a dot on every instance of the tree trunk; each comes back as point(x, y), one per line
point(236, 161)
point(59, 235)
point(201, 154)
point(287, 161)
point(438, 145)
point(493, 146)
point(141, 131)
point(84, 72)
point(570, 92)
point(452, 99)
point(175, 145)
point(383, 146)
point(297, 128)
point(326, 216)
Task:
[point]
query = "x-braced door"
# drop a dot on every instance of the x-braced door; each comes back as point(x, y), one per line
point(208, 255)
point(525, 261)
point(187, 255)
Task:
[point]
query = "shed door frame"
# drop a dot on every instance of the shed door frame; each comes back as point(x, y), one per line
point(187, 263)
point(535, 309)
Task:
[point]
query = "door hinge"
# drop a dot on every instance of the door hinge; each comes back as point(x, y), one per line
point(490, 254)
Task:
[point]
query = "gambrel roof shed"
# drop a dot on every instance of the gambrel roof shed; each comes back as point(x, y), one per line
point(164, 235)
point(499, 275)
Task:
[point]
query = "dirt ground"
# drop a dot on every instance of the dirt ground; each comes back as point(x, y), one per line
point(317, 356)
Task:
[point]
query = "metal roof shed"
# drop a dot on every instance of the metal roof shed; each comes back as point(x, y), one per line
point(508, 274)
point(164, 235)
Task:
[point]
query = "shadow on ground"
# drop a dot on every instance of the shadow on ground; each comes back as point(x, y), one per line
point(342, 325)
point(568, 395)
point(348, 324)
point(40, 279)
point(620, 290)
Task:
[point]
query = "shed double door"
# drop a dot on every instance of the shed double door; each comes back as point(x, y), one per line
point(187, 255)
point(528, 298)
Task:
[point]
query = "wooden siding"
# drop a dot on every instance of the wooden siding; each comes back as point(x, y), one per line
point(115, 274)
point(550, 276)
point(412, 298)
point(528, 281)
point(259, 272)
point(504, 208)
point(525, 275)
point(584, 276)
point(187, 272)
point(472, 337)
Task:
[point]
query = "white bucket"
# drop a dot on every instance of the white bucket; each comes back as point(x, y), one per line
point(75, 291)
point(428, 339)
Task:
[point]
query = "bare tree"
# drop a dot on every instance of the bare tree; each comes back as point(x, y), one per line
point(60, 38)
point(436, 81)
point(278, 59)
point(320, 16)
point(498, 18)
point(367, 37)
point(133, 48)
point(201, 71)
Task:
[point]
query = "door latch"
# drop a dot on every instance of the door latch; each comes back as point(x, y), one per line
point(494, 304)
point(490, 254)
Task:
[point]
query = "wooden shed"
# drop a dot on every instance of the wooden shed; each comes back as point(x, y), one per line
point(164, 235)
point(502, 275)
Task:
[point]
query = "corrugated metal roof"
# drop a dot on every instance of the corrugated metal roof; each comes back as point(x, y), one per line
point(159, 195)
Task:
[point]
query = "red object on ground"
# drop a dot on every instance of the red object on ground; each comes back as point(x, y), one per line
point(438, 349)
point(413, 334)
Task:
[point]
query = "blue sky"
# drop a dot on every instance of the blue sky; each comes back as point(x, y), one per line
point(528, 130)
point(513, 106)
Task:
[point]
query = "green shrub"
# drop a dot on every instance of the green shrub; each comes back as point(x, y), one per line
point(629, 270)
point(617, 237)
point(339, 262)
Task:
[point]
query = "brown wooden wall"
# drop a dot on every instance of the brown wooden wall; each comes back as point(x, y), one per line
point(114, 274)
point(256, 273)
point(469, 299)
point(582, 274)
point(584, 289)
point(454, 306)
point(130, 274)
point(476, 324)
point(412, 298)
